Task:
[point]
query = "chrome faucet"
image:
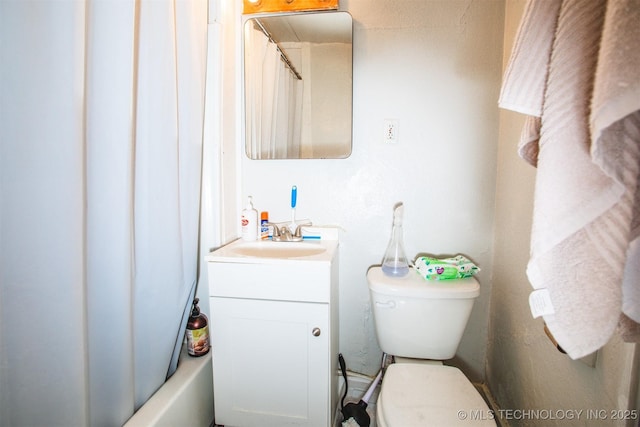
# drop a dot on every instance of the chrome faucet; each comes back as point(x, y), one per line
point(283, 234)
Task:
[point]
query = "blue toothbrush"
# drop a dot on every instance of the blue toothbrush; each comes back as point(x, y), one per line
point(294, 197)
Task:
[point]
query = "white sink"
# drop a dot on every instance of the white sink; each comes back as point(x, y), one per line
point(269, 249)
point(270, 252)
point(283, 271)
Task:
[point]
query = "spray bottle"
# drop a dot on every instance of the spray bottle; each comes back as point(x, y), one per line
point(395, 263)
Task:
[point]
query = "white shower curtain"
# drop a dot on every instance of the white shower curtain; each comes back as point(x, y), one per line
point(101, 129)
point(273, 99)
point(288, 121)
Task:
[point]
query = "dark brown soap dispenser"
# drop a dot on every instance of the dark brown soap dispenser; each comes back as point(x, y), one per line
point(197, 332)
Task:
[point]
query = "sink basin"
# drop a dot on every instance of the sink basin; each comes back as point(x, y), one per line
point(278, 249)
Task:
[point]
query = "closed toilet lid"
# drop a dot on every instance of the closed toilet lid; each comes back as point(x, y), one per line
point(415, 395)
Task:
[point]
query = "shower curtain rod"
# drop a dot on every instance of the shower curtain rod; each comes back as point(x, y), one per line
point(283, 55)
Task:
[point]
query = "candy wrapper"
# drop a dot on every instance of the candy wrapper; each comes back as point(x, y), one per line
point(457, 267)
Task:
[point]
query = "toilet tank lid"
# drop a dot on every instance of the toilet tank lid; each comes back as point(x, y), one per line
point(415, 286)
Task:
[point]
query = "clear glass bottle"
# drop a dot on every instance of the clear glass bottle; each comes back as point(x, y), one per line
point(394, 263)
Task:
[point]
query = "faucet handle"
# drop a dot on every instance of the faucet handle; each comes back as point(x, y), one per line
point(276, 231)
point(298, 232)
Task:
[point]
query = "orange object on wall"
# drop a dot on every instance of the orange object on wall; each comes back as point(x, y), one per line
point(259, 6)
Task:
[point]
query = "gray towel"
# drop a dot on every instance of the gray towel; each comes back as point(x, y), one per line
point(584, 137)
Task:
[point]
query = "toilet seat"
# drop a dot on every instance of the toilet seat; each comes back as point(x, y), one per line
point(416, 395)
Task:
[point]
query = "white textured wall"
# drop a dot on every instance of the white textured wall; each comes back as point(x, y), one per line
point(524, 371)
point(435, 66)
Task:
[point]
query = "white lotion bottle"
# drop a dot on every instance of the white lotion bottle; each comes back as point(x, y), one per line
point(249, 222)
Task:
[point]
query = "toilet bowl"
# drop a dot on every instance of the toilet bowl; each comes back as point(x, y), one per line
point(429, 395)
point(421, 323)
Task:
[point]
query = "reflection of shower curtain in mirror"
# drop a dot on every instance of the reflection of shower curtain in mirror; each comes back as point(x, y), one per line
point(273, 97)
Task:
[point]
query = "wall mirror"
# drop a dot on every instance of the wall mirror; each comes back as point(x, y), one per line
point(298, 85)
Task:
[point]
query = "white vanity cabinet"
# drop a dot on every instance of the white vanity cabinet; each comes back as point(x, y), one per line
point(273, 326)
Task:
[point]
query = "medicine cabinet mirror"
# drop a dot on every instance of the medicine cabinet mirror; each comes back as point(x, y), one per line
point(298, 85)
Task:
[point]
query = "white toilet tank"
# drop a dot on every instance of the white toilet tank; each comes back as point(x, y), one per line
point(418, 318)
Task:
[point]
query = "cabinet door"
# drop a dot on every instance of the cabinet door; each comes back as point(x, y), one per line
point(270, 365)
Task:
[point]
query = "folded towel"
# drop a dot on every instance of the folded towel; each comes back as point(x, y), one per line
point(457, 267)
point(584, 138)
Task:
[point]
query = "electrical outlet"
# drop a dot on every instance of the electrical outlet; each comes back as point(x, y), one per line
point(390, 131)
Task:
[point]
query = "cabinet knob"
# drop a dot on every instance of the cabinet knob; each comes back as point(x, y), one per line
point(316, 332)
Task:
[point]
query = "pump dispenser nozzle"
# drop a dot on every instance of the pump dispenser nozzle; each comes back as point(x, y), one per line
point(395, 263)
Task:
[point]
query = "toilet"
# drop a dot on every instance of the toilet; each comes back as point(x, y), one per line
point(420, 323)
